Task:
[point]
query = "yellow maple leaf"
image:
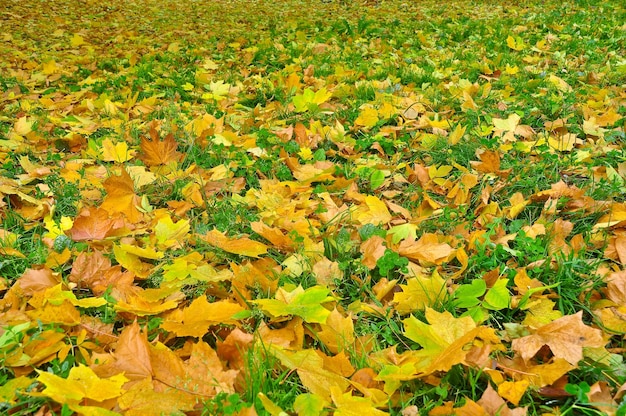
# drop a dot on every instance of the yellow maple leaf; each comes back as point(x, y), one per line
point(419, 292)
point(56, 296)
point(131, 261)
point(349, 405)
point(516, 43)
point(141, 399)
point(455, 136)
point(195, 320)
point(219, 91)
point(444, 339)
point(23, 126)
point(77, 40)
point(310, 368)
point(368, 117)
point(386, 111)
point(373, 211)
point(116, 152)
point(540, 312)
point(81, 383)
point(321, 96)
point(513, 390)
point(337, 333)
point(518, 203)
point(565, 142)
point(506, 125)
point(50, 67)
point(144, 252)
point(169, 233)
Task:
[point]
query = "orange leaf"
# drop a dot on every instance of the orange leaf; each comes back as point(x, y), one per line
point(199, 377)
point(427, 249)
point(159, 152)
point(566, 338)
point(489, 162)
point(493, 404)
point(37, 280)
point(273, 235)
point(43, 347)
point(372, 249)
point(242, 246)
point(121, 196)
point(233, 348)
point(92, 224)
point(94, 271)
point(131, 356)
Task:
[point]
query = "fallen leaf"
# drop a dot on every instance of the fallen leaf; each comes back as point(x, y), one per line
point(306, 304)
point(565, 336)
point(242, 246)
point(81, 383)
point(155, 151)
point(426, 250)
point(444, 339)
point(121, 196)
point(92, 224)
point(195, 320)
point(420, 292)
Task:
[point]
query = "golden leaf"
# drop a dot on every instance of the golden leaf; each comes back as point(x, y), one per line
point(242, 246)
point(121, 196)
point(81, 383)
point(195, 320)
point(565, 336)
point(420, 292)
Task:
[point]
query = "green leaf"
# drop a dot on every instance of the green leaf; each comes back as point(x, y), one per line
point(466, 296)
point(389, 261)
point(302, 101)
point(13, 334)
point(309, 100)
point(477, 313)
point(308, 404)
point(498, 297)
point(394, 375)
point(402, 232)
point(303, 303)
point(376, 179)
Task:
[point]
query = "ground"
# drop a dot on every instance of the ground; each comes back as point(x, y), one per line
point(255, 207)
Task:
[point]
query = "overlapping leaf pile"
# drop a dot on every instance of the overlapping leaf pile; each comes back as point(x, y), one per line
point(235, 207)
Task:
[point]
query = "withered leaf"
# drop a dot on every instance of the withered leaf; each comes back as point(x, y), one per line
point(565, 336)
point(155, 151)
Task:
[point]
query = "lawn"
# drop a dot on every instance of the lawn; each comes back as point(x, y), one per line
point(312, 208)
